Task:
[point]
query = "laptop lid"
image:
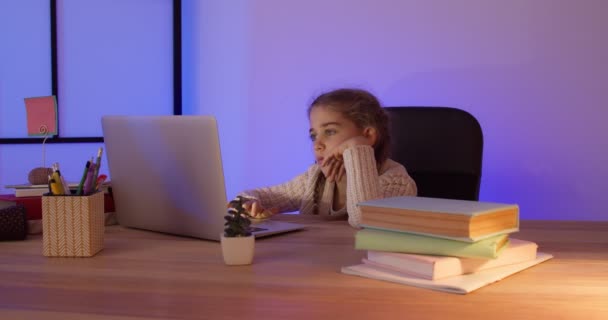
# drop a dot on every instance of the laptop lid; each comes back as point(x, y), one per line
point(167, 175)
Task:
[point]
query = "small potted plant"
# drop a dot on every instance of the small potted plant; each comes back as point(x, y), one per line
point(237, 242)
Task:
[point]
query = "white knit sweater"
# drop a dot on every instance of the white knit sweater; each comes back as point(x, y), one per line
point(363, 183)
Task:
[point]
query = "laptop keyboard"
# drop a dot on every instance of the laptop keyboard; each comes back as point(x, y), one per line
point(255, 229)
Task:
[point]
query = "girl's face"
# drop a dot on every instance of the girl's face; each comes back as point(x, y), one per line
point(329, 129)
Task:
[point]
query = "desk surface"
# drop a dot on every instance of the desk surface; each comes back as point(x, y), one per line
point(142, 274)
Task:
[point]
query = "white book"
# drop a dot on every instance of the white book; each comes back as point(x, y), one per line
point(35, 186)
point(462, 284)
point(435, 267)
point(31, 192)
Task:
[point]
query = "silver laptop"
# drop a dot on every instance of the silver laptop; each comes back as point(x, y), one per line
point(167, 176)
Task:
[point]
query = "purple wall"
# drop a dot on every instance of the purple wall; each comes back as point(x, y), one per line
point(532, 72)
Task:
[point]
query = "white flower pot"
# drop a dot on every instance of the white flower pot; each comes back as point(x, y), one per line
point(238, 250)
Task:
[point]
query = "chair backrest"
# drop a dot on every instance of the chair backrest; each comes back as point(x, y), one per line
point(441, 148)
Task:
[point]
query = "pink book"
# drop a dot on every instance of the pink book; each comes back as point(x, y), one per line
point(438, 267)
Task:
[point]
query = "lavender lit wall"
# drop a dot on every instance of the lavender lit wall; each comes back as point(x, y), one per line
point(534, 73)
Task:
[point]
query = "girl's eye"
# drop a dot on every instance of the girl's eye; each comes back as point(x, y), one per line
point(313, 137)
point(330, 132)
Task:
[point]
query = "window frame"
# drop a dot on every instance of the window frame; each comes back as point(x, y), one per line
point(177, 79)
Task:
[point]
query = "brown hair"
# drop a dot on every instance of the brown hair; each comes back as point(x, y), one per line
point(364, 110)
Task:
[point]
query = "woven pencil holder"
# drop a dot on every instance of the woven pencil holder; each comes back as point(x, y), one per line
point(72, 226)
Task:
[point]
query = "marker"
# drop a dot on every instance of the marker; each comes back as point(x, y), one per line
point(55, 189)
point(56, 180)
point(89, 183)
point(84, 177)
point(100, 180)
point(64, 185)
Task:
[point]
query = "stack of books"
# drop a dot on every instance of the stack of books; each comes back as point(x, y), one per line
point(442, 244)
point(37, 190)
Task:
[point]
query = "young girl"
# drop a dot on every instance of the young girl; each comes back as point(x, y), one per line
point(350, 142)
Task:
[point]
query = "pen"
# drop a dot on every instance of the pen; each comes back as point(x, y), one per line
point(97, 165)
point(90, 179)
point(84, 176)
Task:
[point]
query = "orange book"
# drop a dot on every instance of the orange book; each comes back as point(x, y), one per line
point(461, 220)
point(439, 267)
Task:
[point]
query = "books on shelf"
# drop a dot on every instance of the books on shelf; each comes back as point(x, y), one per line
point(461, 284)
point(29, 190)
point(35, 186)
point(383, 240)
point(461, 220)
point(439, 267)
point(33, 190)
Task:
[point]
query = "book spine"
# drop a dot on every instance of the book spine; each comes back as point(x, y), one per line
point(424, 266)
point(399, 219)
point(413, 272)
point(426, 234)
point(438, 267)
point(369, 239)
point(518, 251)
point(19, 193)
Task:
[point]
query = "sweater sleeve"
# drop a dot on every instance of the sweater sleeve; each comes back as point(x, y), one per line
point(364, 183)
point(285, 197)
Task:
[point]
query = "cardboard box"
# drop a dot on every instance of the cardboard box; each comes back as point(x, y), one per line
point(73, 226)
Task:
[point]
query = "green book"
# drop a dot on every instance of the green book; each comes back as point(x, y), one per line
point(383, 240)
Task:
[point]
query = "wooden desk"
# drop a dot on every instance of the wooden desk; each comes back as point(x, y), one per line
point(143, 274)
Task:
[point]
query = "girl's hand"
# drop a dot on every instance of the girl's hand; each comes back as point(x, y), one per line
point(333, 164)
point(333, 169)
point(257, 211)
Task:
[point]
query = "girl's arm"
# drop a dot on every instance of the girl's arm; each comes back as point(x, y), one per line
point(285, 197)
point(364, 183)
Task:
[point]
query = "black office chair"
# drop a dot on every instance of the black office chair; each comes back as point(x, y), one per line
point(440, 147)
